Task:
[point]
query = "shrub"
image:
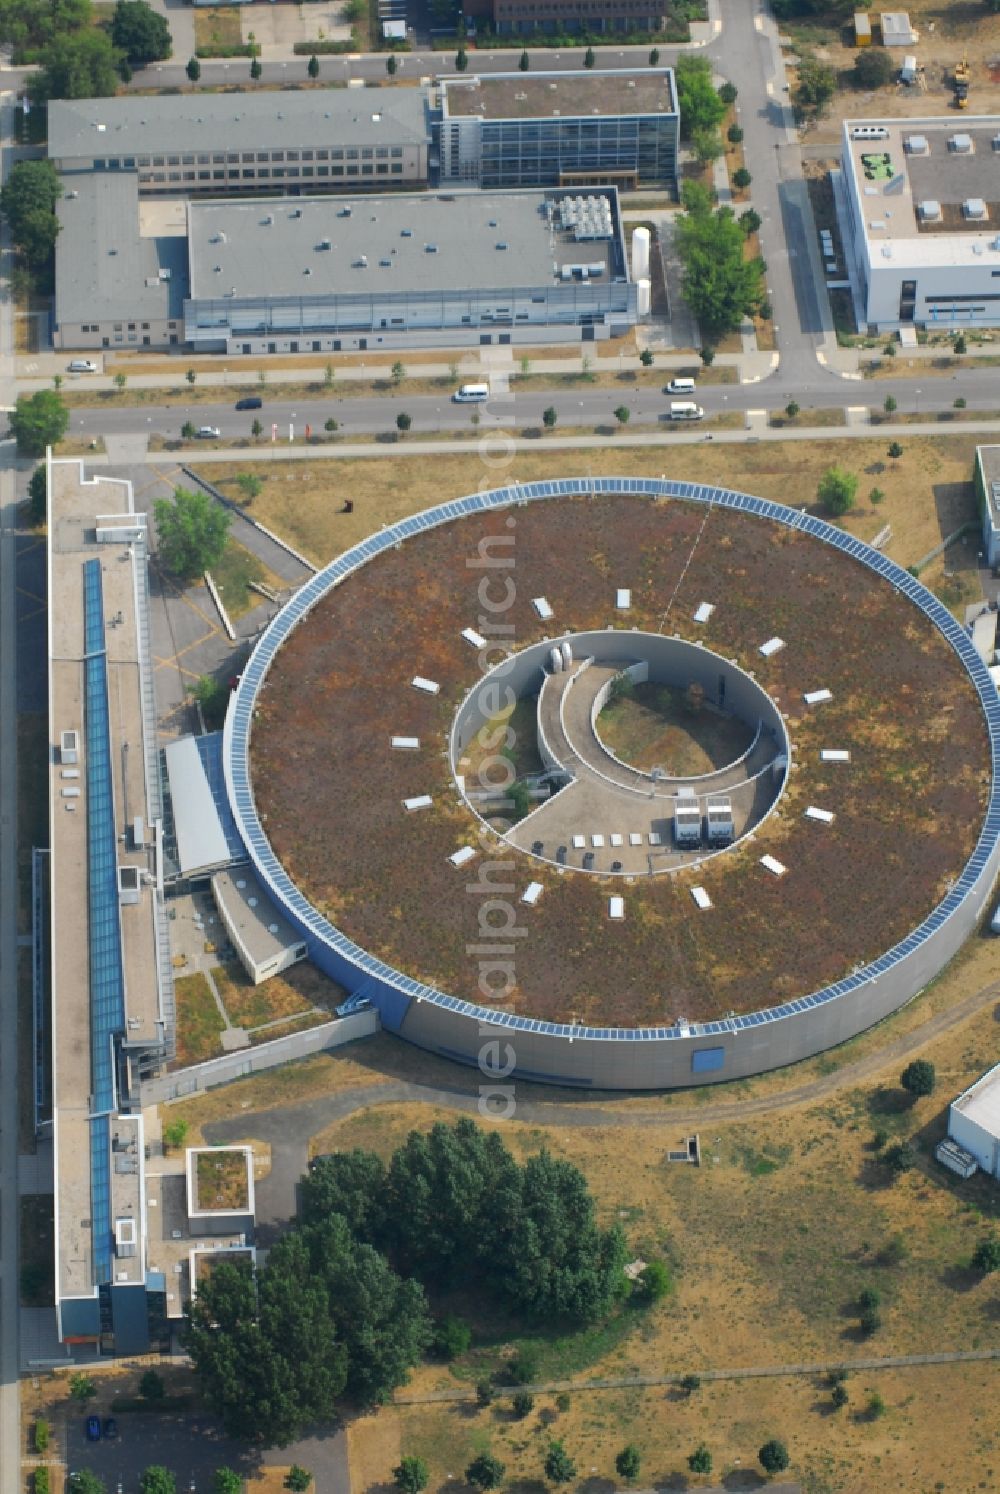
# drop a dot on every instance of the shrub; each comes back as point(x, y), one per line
point(563, 1400)
point(691, 1383)
point(741, 178)
point(411, 1475)
point(895, 450)
point(523, 1368)
point(836, 490)
point(986, 1256)
point(484, 1393)
point(522, 1404)
point(839, 1395)
point(773, 1456)
point(791, 409)
point(871, 1321)
point(653, 1282)
point(918, 1078)
point(899, 1158)
point(734, 134)
point(41, 1435)
point(889, 405)
point(452, 1338)
point(559, 1466)
point(873, 68)
point(700, 1461)
point(646, 357)
point(876, 1406)
point(151, 1386)
point(870, 1298)
point(727, 93)
point(959, 345)
point(628, 1462)
point(876, 496)
point(40, 1483)
point(485, 1472)
point(959, 403)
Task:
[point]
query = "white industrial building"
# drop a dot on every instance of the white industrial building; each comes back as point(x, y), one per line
point(974, 1128)
point(919, 205)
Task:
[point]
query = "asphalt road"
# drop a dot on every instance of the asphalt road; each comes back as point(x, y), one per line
point(581, 406)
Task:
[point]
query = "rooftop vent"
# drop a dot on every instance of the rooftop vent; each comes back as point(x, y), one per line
point(501, 245)
point(217, 269)
point(376, 119)
point(307, 271)
point(267, 219)
point(916, 145)
point(385, 264)
point(962, 144)
point(406, 233)
point(295, 213)
point(324, 244)
point(430, 248)
point(974, 208)
point(929, 210)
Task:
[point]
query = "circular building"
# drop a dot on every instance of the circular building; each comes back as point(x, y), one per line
point(618, 782)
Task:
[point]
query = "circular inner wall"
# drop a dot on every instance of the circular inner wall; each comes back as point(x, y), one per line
point(583, 807)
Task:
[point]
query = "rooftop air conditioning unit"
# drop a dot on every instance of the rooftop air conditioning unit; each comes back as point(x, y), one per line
point(916, 145)
point(929, 210)
point(69, 747)
point(962, 144)
point(974, 208)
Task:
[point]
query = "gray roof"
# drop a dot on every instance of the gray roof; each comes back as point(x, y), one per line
point(236, 121)
point(264, 931)
point(200, 836)
point(104, 270)
point(265, 248)
point(568, 95)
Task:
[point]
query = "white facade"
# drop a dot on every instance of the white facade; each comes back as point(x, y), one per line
point(919, 204)
point(974, 1121)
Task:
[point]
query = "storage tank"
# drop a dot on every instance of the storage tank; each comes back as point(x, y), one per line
point(556, 660)
point(645, 298)
point(640, 254)
point(567, 653)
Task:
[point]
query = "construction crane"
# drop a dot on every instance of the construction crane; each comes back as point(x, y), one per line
point(962, 82)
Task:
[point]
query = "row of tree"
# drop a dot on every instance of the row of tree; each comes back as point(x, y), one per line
point(76, 57)
point(159, 1480)
point(340, 1311)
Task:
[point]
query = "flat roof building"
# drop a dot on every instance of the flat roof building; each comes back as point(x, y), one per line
point(919, 201)
point(974, 1121)
point(325, 139)
point(112, 1005)
point(318, 274)
point(986, 477)
point(616, 127)
point(264, 940)
point(116, 287)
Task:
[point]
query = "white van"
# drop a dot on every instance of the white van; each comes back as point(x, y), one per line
point(685, 409)
point(869, 132)
point(681, 386)
point(82, 365)
point(471, 394)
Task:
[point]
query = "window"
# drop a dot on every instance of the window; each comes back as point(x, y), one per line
point(397, 150)
point(263, 171)
point(322, 155)
point(157, 160)
point(173, 160)
point(233, 158)
point(382, 154)
point(145, 326)
point(248, 173)
point(131, 326)
point(307, 155)
point(322, 171)
point(187, 160)
point(382, 170)
point(397, 168)
point(308, 170)
point(218, 160)
point(173, 176)
point(367, 154)
point(278, 155)
point(245, 348)
point(278, 171)
point(292, 155)
point(129, 163)
point(336, 155)
point(352, 154)
point(218, 176)
point(203, 160)
point(263, 155)
point(354, 171)
point(204, 176)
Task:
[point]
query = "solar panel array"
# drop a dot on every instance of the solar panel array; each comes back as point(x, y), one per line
point(107, 981)
point(304, 915)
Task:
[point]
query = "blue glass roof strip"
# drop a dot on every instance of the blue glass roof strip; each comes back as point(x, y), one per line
point(100, 1196)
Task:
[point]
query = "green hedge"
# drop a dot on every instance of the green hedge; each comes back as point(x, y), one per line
point(324, 48)
point(41, 1481)
point(221, 49)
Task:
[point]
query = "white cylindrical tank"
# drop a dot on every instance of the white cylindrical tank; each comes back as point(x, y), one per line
point(567, 653)
point(556, 660)
point(640, 254)
point(645, 298)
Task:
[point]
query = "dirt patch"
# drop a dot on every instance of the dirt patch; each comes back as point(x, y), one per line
point(659, 726)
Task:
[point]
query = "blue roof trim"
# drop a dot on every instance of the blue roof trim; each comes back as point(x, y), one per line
point(236, 750)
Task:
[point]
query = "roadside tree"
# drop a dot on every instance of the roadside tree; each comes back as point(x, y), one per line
point(140, 33)
point(28, 202)
point(191, 532)
point(411, 1475)
point(37, 421)
point(700, 105)
point(773, 1456)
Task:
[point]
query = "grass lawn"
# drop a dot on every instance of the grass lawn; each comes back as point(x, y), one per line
point(249, 1005)
point(233, 575)
point(221, 1180)
point(199, 1025)
point(37, 1247)
point(658, 726)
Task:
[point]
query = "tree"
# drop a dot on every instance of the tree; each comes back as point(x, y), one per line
point(255, 69)
point(411, 1475)
point(249, 484)
point(256, 429)
point(889, 405)
point(719, 284)
point(28, 202)
point(485, 1472)
point(452, 1338)
point(700, 105)
point(268, 1358)
point(40, 1434)
point(959, 402)
point(646, 357)
point(895, 450)
point(623, 414)
point(312, 66)
point(814, 88)
point(559, 1466)
point(773, 1456)
point(140, 32)
point(85, 1482)
point(227, 1481)
point(873, 68)
point(549, 417)
point(899, 1158)
point(691, 1383)
point(836, 490)
point(191, 532)
point(707, 354)
point(192, 376)
point(589, 58)
point(37, 421)
point(653, 1282)
point(398, 372)
point(403, 422)
point(741, 178)
point(919, 1078)
point(175, 1133)
point(391, 64)
point(986, 1256)
point(37, 496)
point(876, 1406)
point(82, 1386)
point(700, 1461)
point(78, 65)
point(628, 1463)
point(298, 1479)
point(157, 1480)
point(523, 1368)
point(27, 26)
point(40, 1480)
point(484, 1393)
point(522, 1404)
point(707, 146)
point(330, 425)
point(151, 1386)
point(728, 94)
point(749, 222)
point(461, 60)
point(876, 496)
point(840, 1395)
point(120, 380)
point(735, 134)
point(524, 62)
point(958, 346)
point(654, 57)
point(792, 409)
point(193, 71)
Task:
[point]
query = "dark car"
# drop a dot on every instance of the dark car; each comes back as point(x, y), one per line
point(110, 1429)
point(252, 402)
point(93, 1429)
